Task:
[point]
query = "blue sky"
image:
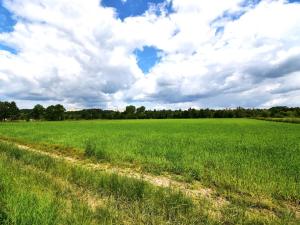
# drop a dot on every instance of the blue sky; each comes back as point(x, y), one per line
point(147, 58)
point(6, 25)
point(6, 19)
point(159, 53)
point(129, 8)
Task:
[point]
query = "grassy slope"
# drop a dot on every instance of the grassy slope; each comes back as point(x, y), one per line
point(233, 155)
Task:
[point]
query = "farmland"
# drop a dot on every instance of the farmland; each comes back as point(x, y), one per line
point(245, 171)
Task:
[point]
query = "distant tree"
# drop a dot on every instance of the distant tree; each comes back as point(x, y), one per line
point(25, 114)
point(240, 112)
point(130, 109)
point(50, 113)
point(13, 112)
point(141, 109)
point(38, 112)
point(297, 112)
point(3, 111)
point(8, 110)
point(130, 112)
point(55, 112)
point(278, 111)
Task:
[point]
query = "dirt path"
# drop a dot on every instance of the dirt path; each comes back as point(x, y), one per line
point(194, 190)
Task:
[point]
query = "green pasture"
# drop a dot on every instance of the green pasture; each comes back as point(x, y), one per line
point(243, 156)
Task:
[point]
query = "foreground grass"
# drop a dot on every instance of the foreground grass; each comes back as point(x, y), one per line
point(125, 200)
point(27, 196)
point(37, 188)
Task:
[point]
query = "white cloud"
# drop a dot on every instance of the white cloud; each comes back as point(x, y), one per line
point(66, 53)
point(81, 54)
point(234, 68)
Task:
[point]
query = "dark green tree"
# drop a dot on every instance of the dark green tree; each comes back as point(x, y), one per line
point(130, 109)
point(8, 111)
point(55, 112)
point(38, 112)
point(3, 111)
point(141, 110)
point(130, 112)
point(13, 112)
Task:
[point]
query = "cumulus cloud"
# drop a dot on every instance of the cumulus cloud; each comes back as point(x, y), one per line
point(66, 52)
point(212, 54)
point(257, 50)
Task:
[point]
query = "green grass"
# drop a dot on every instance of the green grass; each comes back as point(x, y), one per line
point(30, 195)
point(234, 154)
point(251, 163)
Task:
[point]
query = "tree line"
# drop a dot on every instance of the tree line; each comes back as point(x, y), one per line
point(10, 111)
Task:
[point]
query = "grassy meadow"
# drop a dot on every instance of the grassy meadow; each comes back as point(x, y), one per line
point(253, 165)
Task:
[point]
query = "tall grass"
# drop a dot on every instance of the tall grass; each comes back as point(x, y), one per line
point(30, 194)
point(27, 198)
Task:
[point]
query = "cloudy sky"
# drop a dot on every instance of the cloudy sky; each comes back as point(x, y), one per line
point(157, 53)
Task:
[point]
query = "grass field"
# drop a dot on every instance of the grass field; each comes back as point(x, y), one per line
point(252, 166)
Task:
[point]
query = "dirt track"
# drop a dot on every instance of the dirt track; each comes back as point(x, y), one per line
point(194, 190)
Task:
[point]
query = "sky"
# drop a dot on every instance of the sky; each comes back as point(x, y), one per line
point(157, 53)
